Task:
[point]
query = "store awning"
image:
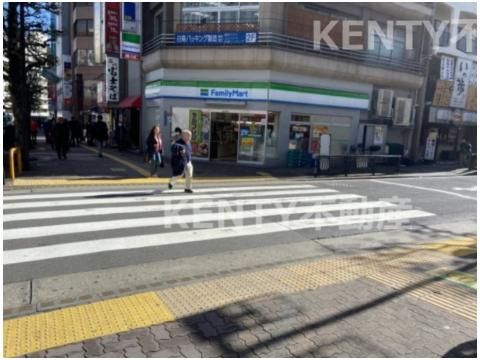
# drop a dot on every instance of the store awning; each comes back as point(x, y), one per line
point(130, 102)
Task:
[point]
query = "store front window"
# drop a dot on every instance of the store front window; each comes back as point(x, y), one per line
point(306, 132)
point(221, 12)
point(272, 135)
point(247, 137)
point(252, 138)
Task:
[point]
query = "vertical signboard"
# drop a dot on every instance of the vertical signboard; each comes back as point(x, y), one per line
point(112, 28)
point(447, 68)
point(67, 80)
point(431, 145)
point(131, 48)
point(472, 90)
point(460, 85)
point(112, 80)
point(98, 33)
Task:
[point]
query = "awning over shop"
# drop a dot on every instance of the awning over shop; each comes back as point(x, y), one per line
point(130, 102)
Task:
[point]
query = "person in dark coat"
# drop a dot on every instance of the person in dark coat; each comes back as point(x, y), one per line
point(90, 133)
point(101, 135)
point(9, 136)
point(121, 136)
point(155, 149)
point(182, 161)
point(77, 135)
point(61, 134)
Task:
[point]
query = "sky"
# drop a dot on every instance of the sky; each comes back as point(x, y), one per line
point(464, 6)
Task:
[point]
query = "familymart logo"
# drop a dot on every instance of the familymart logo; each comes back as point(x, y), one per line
point(224, 93)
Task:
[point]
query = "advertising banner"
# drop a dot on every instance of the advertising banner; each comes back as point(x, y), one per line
point(378, 135)
point(199, 125)
point(131, 44)
point(67, 80)
point(447, 68)
point(472, 90)
point(460, 86)
point(112, 74)
point(247, 146)
point(112, 28)
point(431, 145)
point(216, 38)
point(131, 47)
point(443, 93)
point(129, 17)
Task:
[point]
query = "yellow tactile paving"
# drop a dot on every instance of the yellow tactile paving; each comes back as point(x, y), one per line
point(458, 277)
point(45, 182)
point(456, 247)
point(47, 330)
point(457, 300)
point(71, 325)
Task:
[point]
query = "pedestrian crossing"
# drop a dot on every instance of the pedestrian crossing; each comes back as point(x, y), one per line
point(43, 229)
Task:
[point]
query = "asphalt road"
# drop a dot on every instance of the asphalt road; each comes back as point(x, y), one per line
point(95, 238)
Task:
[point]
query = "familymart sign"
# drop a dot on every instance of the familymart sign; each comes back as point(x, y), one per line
point(256, 91)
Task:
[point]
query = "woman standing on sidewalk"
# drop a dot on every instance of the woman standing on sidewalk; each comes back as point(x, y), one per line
point(155, 149)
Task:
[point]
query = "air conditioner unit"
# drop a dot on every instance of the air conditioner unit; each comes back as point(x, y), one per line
point(403, 111)
point(384, 103)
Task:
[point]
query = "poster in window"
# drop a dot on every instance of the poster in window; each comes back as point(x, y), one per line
point(317, 132)
point(199, 125)
point(247, 146)
point(378, 135)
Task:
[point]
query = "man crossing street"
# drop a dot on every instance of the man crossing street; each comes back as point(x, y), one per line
point(101, 135)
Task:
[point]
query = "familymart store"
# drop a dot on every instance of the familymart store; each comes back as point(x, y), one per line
point(253, 123)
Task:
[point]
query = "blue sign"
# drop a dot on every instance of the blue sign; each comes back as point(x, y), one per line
point(129, 11)
point(216, 38)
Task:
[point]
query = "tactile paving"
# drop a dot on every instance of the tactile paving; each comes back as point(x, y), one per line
point(47, 330)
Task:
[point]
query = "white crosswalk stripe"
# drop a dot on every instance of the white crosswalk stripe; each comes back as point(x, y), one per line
point(161, 197)
point(40, 227)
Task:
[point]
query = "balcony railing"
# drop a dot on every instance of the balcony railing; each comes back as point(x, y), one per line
point(295, 44)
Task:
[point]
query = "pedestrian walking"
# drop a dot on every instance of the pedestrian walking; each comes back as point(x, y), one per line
point(90, 133)
point(121, 136)
point(177, 135)
point(182, 161)
point(101, 135)
point(61, 137)
point(155, 149)
point(77, 132)
point(33, 132)
point(465, 152)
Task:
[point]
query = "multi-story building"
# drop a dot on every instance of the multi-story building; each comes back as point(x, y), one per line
point(450, 114)
point(81, 67)
point(252, 84)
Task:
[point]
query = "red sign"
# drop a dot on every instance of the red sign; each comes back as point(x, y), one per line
point(112, 28)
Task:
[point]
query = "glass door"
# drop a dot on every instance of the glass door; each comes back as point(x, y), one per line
point(252, 138)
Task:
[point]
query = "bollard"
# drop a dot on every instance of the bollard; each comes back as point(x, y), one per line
point(15, 151)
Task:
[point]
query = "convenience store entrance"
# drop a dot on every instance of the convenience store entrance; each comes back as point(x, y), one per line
point(239, 136)
point(224, 136)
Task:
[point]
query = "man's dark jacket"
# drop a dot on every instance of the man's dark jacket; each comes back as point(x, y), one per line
point(181, 156)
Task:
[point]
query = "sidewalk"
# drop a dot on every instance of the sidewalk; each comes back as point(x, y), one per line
point(396, 302)
point(84, 167)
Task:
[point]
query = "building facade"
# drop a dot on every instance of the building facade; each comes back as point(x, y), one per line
point(254, 88)
point(450, 114)
point(82, 66)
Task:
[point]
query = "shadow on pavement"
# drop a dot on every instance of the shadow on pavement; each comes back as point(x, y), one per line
point(251, 328)
point(465, 350)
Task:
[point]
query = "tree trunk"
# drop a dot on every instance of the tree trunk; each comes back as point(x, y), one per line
point(18, 77)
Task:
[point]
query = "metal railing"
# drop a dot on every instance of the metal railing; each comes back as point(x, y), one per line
point(327, 165)
point(295, 44)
